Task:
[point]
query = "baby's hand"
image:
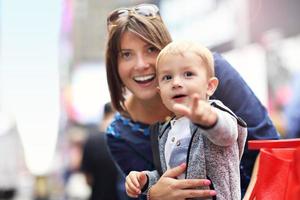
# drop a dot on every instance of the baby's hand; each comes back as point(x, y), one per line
point(135, 181)
point(200, 112)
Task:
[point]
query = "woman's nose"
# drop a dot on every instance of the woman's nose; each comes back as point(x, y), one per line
point(141, 62)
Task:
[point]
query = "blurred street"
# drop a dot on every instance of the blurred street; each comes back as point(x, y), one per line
point(53, 85)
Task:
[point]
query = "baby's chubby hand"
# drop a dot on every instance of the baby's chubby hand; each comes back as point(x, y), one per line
point(135, 181)
point(200, 112)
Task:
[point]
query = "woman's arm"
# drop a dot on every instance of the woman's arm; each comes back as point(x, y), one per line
point(126, 157)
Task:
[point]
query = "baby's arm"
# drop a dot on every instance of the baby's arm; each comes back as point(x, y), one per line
point(221, 127)
point(225, 131)
point(135, 181)
point(139, 182)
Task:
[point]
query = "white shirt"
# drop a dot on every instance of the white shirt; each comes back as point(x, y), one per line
point(180, 129)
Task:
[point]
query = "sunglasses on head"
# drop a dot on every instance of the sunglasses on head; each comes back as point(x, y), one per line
point(146, 10)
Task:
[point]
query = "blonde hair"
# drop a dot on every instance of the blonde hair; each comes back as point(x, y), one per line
point(182, 47)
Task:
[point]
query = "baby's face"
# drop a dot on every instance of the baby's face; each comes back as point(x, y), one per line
point(181, 76)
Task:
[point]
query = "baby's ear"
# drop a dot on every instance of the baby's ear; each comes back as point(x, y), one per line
point(158, 89)
point(212, 86)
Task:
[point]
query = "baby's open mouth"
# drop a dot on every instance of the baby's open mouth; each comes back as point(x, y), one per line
point(179, 96)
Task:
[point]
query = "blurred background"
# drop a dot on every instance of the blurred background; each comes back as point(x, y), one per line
point(53, 82)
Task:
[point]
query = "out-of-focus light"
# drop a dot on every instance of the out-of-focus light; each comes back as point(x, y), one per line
point(88, 93)
point(30, 33)
point(37, 119)
point(6, 122)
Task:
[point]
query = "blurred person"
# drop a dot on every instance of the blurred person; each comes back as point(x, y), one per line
point(10, 157)
point(107, 117)
point(76, 135)
point(204, 134)
point(101, 173)
point(75, 185)
point(41, 188)
point(291, 111)
point(278, 77)
point(135, 37)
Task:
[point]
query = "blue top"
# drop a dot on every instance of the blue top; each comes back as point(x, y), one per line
point(129, 141)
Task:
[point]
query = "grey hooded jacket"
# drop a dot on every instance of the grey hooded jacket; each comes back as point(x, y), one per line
point(215, 159)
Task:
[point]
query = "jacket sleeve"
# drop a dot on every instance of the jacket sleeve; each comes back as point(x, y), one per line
point(153, 177)
point(225, 131)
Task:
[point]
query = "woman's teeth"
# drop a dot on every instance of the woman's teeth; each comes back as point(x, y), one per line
point(144, 78)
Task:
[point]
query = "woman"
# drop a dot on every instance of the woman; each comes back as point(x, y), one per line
point(135, 37)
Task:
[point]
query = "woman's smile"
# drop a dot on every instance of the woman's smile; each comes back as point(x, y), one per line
point(144, 79)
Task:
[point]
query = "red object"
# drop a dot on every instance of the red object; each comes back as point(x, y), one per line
point(287, 143)
point(278, 176)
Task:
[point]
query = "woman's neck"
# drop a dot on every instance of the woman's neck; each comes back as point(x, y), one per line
point(147, 112)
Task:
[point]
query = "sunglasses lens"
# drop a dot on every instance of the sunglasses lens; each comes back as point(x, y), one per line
point(147, 10)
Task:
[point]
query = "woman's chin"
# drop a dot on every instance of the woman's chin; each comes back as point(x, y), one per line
point(147, 94)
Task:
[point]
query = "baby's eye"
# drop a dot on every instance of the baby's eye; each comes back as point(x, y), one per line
point(125, 55)
point(166, 77)
point(188, 74)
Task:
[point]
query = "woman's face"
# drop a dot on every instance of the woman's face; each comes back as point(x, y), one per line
point(136, 66)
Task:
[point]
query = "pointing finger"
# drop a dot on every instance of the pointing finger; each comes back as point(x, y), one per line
point(182, 109)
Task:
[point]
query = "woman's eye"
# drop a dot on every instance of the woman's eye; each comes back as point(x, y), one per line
point(166, 77)
point(152, 49)
point(125, 55)
point(188, 74)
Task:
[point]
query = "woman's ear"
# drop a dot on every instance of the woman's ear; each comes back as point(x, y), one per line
point(212, 86)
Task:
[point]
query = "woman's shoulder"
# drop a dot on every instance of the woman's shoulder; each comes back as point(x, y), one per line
point(222, 66)
point(122, 125)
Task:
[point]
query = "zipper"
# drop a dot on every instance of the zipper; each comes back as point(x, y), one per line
point(188, 152)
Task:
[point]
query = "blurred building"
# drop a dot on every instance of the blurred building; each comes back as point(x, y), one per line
point(87, 35)
point(220, 24)
point(242, 30)
point(236, 28)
